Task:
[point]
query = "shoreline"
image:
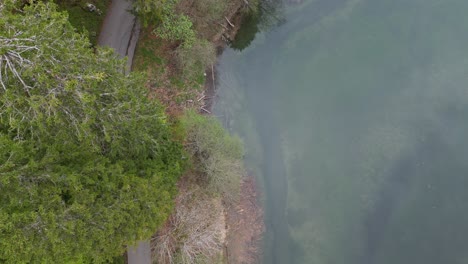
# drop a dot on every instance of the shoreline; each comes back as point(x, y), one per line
point(234, 21)
point(244, 220)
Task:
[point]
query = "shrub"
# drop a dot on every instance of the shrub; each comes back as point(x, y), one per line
point(217, 155)
point(176, 27)
point(195, 231)
point(195, 59)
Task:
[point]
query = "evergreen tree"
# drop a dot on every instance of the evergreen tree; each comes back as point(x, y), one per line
point(87, 163)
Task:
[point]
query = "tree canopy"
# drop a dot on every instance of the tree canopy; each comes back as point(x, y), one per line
point(87, 163)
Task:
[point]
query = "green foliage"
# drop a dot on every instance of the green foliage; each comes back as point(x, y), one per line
point(87, 164)
point(176, 27)
point(151, 10)
point(217, 154)
point(82, 19)
point(148, 57)
point(193, 60)
point(171, 25)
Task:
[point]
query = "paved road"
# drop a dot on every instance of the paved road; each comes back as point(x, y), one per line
point(120, 30)
point(141, 254)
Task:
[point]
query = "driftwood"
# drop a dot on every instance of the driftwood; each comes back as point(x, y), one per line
point(226, 28)
point(203, 108)
point(201, 98)
point(213, 77)
point(229, 22)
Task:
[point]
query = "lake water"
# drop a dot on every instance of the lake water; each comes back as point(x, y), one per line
point(355, 118)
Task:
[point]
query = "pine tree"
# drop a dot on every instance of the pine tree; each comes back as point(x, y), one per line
point(87, 163)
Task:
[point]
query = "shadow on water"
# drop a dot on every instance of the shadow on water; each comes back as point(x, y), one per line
point(394, 189)
point(269, 15)
point(430, 173)
point(276, 220)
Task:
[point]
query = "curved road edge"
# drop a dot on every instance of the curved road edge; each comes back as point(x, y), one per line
point(120, 30)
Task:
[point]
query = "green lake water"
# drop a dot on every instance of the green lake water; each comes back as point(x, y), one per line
point(354, 114)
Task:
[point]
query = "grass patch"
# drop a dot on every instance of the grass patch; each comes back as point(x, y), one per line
point(200, 79)
point(177, 82)
point(83, 19)
point(149, 53)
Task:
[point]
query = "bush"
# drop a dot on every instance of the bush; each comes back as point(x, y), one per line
point(176, 27)
point(194, 233)
point(195, 59)
point(171, 25)
point(150, 11)
point(217, 155)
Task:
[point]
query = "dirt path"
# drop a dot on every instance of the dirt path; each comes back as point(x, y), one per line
point(120, 30)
